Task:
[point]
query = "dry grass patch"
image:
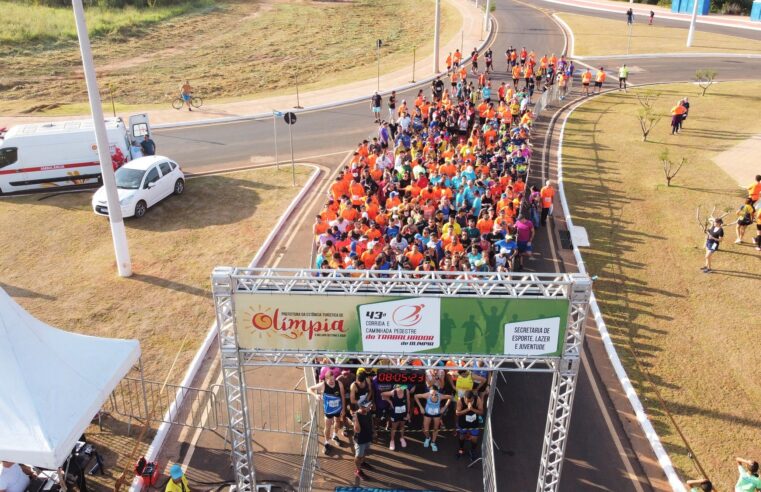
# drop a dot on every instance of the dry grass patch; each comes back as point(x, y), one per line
point(693, 332)
point(58, 263)
point(594, 36)
point(237, 48)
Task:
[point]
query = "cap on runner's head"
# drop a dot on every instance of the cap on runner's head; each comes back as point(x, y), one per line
point(175, 471)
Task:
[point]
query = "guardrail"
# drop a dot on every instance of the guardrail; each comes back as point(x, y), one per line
point(135, 398)
point(279, 411)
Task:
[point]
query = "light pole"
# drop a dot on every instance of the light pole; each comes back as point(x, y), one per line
point(436, 26)
point(123, 263)
point(378, 45)
point(275, 115)
point(691, 33)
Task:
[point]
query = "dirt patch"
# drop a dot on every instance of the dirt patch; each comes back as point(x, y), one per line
point(741, 161)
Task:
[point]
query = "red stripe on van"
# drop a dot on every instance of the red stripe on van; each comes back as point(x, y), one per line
point(49, 168)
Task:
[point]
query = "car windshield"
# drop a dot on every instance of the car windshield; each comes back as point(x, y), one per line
point(129, 179)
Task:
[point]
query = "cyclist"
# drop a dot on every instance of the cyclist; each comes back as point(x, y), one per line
point(332, 394)
point(186, 91)
point(432, 412)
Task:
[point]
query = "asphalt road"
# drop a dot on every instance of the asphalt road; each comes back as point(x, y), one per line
point(593, 461)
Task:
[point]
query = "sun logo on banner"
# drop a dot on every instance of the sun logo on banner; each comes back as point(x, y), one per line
point(261, 321)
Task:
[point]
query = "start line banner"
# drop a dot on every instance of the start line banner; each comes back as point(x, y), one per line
point(378, 324)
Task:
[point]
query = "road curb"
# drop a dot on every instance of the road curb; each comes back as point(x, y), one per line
point(661, 15)
point(647, 427)
point(195, 365)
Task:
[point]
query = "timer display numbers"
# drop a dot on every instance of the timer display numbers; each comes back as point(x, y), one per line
point(401, 377)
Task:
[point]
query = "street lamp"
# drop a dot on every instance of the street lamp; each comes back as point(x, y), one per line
point(436, 26)
point(378, 45)
point(123, 263)
point(691, 33)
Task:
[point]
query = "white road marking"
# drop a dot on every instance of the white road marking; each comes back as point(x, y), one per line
point(595, 388)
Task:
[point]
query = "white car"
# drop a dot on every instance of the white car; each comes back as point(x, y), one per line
point(142, 183)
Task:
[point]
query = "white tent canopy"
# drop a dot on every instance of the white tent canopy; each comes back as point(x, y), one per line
point(53, 384)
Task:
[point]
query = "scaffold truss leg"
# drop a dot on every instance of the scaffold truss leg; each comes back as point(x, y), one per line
point(564, 388)
point(233, 382)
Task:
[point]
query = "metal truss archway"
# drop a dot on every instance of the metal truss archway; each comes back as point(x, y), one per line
point(227, 282)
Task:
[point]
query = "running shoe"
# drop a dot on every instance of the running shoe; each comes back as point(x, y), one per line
point(434, 447)
point(403, 442)
point(327, 448)
point(345, 432)
point(392, 446)
point(360, 474)
point(460, 452)
point(336, 439)
point(426, 442)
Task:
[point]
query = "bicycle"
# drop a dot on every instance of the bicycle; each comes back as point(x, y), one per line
point(195, 101)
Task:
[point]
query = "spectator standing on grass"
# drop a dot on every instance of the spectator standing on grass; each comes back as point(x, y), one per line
point(745, 215)
point(702, 485)
point(148, 145)
point(685, 103)
point(630, 16)
point(754, 190)
point(714, 235)
point(677, 113)
point(748, 480)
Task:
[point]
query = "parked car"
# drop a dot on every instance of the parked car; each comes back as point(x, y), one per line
point(142, 183)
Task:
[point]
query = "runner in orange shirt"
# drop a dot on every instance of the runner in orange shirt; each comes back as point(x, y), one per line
point(547, 194)
point(586, 78)
point(599, 79)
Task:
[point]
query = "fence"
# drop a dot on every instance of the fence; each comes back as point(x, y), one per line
point(312, 447)
point(279, 411)
point(487, 443)
point(140, 399)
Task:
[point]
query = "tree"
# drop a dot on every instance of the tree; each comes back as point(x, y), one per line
point(670, 168)
point(646, 114)
point(705, 79)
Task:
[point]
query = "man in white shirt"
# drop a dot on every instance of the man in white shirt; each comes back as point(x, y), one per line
point(15, 477)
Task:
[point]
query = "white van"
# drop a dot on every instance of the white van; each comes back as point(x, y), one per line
point(63, 153)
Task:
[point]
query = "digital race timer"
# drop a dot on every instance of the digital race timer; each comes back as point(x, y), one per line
point(409, 378)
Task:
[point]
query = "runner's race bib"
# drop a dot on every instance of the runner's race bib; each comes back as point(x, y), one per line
point(400, 409)
point(331, 404)
point(471, 418)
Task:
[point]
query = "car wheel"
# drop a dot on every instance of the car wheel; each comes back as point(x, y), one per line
point(140, 209)
point(179, 187)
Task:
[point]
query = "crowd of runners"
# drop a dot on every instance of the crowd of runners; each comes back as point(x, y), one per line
point(366, 402)
point(443, 184)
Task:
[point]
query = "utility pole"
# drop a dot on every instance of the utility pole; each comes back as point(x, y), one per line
point(119, 235)
point(275, 115)
point(293, 163)
point(691, 33)
point(436, 25)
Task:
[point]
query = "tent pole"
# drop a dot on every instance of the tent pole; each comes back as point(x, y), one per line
point(142, 385)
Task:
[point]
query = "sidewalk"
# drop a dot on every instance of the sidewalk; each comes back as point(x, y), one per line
point(469, 36)
point(643, 10)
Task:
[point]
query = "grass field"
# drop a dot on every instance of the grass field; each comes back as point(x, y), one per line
point(693, 332)
point(59, 265)
point(237, 48)
point(594, 36)
point(25, 24)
